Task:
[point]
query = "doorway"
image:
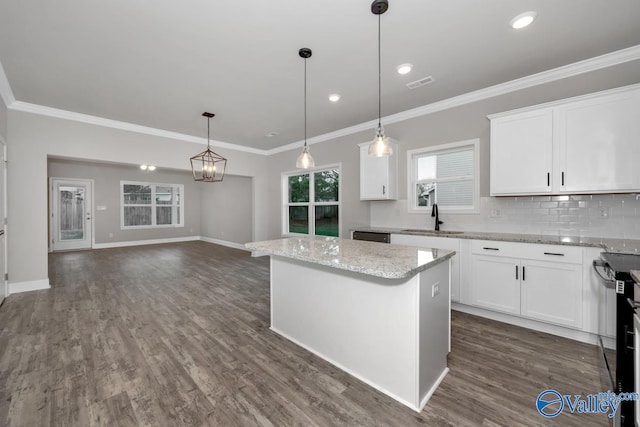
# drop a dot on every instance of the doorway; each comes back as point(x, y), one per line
point(71, 214)
point(4, 285)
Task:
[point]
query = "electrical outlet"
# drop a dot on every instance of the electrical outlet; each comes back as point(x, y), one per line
point(435, 290)
point(495, 213)
point(604, 212)
point(111, 235)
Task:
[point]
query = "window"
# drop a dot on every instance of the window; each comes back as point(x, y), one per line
point(312, 202)
point(446, 175)
point(146, 205)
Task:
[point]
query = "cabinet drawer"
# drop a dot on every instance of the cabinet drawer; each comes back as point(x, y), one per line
point(555, 253)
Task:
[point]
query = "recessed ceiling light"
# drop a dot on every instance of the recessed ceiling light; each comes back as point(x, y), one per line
point(144, 167)
point(334, 97)
point(272, 134)
point(404, 68)
point(152, 168)
point(523, 20)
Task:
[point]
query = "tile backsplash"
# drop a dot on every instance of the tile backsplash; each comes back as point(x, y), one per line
point(602, 215)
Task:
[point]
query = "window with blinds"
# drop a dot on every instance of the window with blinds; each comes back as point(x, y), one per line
point(446, 175)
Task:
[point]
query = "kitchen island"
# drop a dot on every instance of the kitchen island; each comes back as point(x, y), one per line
point(379, 312)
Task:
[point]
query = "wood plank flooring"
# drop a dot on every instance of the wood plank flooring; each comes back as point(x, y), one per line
point(178, 334)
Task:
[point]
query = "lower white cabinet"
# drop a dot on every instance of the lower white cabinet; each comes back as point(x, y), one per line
point(541, 282)
point(438, 243)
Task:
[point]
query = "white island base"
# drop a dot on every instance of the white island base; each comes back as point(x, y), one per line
point(390, 333)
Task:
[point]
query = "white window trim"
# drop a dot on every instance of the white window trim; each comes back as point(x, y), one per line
point(411, 173)
point(284, 191)
point(152, 205)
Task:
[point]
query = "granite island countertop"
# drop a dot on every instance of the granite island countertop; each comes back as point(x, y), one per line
point(374, 259)
point(611, 245)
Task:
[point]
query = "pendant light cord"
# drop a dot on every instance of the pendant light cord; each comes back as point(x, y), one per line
point(208, 131)
point(379, 79)
point(305, 102)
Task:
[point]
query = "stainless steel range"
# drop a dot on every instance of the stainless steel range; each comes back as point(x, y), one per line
point(614, 270)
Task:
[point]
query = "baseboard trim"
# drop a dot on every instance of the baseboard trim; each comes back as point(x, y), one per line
point(224, 243)
point(573, 334)
point(28, 286)
point(144, 242)
point(432, 390)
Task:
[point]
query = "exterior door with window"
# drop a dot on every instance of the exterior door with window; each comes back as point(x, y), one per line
point(71, 208)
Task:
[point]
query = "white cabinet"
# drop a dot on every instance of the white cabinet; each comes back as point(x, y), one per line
point(439, 243)
point(599, 143)
point(514, 138)
point(580, 145)
point(378, 175)
point(541, 282)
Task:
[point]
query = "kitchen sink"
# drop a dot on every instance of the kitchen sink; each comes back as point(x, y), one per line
point(432, 232)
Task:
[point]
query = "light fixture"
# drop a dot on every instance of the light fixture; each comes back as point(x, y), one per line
point(148, 168)
point(305, 161)
point(334, 97)
point(144, 167)
point(208, 166)
point(523, 20)
point(404, 69)
point(380, 146)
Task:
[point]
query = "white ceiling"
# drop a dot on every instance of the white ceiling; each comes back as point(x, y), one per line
point(162, 63)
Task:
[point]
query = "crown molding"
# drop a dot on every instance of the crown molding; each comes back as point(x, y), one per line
point(570, 70)
point(99, 121)
point(5, 89)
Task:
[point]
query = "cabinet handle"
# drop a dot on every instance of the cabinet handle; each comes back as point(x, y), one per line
point(491, 249)
point(516, 272)
point(523, 273)
point(562, 178)
point(554, 253)
point(548, 179)
point(384, 190)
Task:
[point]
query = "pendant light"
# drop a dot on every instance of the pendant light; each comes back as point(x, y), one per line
point(208, 166)
point(305, 161)
point(380, 146)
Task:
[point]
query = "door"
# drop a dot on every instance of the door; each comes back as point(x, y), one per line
point(497, 284)
point(4, 286)
point(71, 211)
point(522, 153)
point(552, 292)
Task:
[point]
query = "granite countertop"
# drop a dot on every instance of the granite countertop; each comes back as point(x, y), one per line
point(635, 274)
point(612, 245)
point(374, 259)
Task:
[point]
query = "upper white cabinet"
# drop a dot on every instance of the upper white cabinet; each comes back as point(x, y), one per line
point(513, 139)
point(378, 175)
point(581, 145)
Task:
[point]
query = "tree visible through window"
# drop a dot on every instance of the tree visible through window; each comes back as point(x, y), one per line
point(313, 203)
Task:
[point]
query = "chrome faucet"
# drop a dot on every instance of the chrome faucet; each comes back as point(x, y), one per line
point(434, 212)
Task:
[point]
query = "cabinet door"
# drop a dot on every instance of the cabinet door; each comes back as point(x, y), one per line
point(378, 175)
point(552, 292)
point(521, 153)
point(495, 285)
point(599, 145)
point(439, 243)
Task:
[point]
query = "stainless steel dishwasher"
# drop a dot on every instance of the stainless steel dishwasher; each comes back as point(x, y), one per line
point(372, 236)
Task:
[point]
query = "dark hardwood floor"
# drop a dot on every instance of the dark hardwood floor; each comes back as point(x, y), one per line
point(178, 334)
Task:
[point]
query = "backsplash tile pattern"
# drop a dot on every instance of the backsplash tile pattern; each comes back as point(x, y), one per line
point(602, 215)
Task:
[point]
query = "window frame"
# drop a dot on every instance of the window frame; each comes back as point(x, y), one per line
point(412, 176)
point(311, 213)
point(153, 205)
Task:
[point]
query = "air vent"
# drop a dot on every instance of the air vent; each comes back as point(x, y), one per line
point(419, 83)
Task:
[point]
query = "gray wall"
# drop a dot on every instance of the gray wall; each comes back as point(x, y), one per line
point(227, 210)
point(33, 138)
point(456, 124)
point(106, 193)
